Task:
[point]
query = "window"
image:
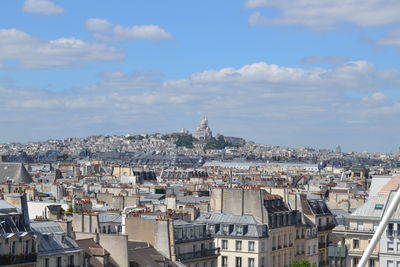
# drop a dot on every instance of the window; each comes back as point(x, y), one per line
point(390, 246)
point(238, 245)
point(71, 260)
point(224, 261)
point(211, 228)
point(355, 262)
point(356, 243)
point(191, 233)
point(46, 262)
point(238, 261)
point(263, 261)
point(314, 249)
point(251, 262)
point(371, 263)
point(13, 248)
point(26, 250)
point(224, 244)
point(262, 246)
point(239, 229)
point(184, 232)
point(225, 229)
point(58, 261)
point(251, 245)
point(390, 229)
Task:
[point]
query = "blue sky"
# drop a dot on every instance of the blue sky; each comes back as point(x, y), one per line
point(293, 72)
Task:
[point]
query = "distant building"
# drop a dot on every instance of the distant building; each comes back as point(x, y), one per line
point(235, 140)
point(203, 132)
point(338, 149)
point(15, 172)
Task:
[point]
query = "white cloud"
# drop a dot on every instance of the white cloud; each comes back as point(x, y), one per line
point(30, 52)
point(98, 25)
point(45, 7)
point(391, 38)
point(257, 100)
point(375, 98)
point(323, 59)
point(326, 14)
point(103, 30)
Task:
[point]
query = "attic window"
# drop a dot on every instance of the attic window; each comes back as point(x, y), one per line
point(378, 206)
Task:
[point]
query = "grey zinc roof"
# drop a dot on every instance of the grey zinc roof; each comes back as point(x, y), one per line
point(368, 209)
point(110, 217)
point(51, 241)
point(213, 217)
point(377, 183)
point(5, 206)
point(253, 228)
point(396, 215)
point(192, 199)
point(14, 171)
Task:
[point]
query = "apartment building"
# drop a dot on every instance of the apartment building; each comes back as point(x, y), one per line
point(18, 245)
point(362, 224)
point(243, 241)
point(181, 241)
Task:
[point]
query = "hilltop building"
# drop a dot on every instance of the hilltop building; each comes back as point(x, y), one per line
point(203, 132)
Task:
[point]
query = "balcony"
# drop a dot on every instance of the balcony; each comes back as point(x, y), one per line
point(17, 259)
point(327, 227)
point(198, 254)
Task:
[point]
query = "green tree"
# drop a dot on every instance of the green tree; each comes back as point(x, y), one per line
point(301, 263)
point(185, 140)
point(218, 143)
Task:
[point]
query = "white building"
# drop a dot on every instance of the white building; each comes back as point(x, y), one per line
point(203, 132)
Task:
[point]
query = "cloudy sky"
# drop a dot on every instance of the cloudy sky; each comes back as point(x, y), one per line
point(290, 72)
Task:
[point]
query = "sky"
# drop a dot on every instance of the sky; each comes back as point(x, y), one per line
point(296, 73)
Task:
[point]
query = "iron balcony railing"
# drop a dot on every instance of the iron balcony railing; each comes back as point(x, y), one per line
point(198, 254)
point(17, 259)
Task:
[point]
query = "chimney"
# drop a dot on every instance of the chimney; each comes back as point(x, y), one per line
point(67, 227)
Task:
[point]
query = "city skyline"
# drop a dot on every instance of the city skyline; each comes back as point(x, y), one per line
point(274, 73)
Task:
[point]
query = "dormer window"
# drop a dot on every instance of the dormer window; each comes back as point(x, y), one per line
point(225, 229)
point(239, 229)
point(212, 228)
